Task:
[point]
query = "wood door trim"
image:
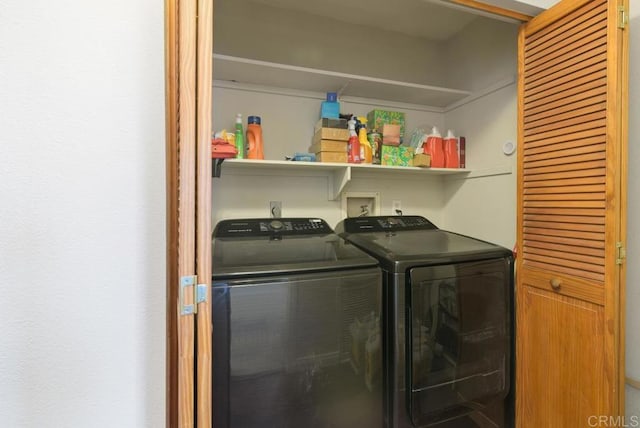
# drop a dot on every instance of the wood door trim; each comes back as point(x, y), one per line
point(204, 86)
point(171, 124)
point(181, 93)
point(617, 84)
point(623, 95)
point(494, 10)
point(187, 11)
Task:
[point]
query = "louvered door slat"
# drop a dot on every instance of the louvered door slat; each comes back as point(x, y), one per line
point(577, 166)
point(568, 242)
point(582, 55)
point(595, 252)
point(571, 99)
point(544, 35)
point(564, 226)
point(564, 161)
point(566, 270)
point(564, 219)
point(584, 32)
point(533, 183)
point(568, 71)
point(576, 149)
point(564, 83)
point(575, 136)
point(559, 117)
point(551, 148)
point(553, 126)
point(564, 197)
point(590, 212)
point(578, 55)
point(592, 24)
point(562, 140)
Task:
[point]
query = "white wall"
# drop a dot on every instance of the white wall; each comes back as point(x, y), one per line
point(633, 215)
point(82, 213)
point(485, 207)
point(257, 31)
point(484, 53)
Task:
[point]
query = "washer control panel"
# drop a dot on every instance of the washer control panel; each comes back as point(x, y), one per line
point(386, 223)
point(271, 227)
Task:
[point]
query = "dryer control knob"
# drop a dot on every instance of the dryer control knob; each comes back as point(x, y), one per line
point(276, 225)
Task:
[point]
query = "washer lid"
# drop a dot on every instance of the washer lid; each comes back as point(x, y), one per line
point(400, 250)
point(250, 254)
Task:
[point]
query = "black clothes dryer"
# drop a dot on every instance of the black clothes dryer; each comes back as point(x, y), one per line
point(296, 327)
point(448, 323)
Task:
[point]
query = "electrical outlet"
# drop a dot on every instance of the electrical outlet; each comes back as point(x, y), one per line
point(275, 209)
point(396, 207)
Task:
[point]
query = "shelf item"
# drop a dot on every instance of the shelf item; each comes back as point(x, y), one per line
point(339, 174)
point(265, 73)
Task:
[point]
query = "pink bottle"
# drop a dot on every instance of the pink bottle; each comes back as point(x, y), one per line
point(433, 147)
point(451, 156)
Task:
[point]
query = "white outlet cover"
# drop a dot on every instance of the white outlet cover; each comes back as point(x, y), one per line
point(508, 148)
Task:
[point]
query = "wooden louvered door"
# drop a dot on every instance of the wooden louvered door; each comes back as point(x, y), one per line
point(571, 204)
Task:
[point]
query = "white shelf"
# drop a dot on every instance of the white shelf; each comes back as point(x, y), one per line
point(243, 70)
point(339, 174)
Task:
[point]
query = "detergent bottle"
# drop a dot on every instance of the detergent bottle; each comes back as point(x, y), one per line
point(255, 148)
point(366, 151)
point(239, 137)
point(353, 146)
point(451, 157)
point(433, 147)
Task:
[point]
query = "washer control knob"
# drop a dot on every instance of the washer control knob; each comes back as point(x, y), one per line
point(276, 225)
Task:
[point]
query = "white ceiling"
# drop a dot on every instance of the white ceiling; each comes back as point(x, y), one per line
point(421, 18)
point(430, 19)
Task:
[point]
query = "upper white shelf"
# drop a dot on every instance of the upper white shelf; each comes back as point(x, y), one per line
point(339, 173)
point(256, 72)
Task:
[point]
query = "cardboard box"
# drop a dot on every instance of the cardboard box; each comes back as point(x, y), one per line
point(391, 141)
point(330, 123)
point(330, 134)
point(397, 155)
point(329, 146)
point(422, 160)
point(390, 130)
point(376, 119)
point(337, 157)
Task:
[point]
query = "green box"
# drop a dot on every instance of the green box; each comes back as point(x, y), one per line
point(376, 118)
point(396, 155)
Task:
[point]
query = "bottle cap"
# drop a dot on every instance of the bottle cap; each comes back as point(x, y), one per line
point(253, 120)
point(239, 118)
point(332, 97)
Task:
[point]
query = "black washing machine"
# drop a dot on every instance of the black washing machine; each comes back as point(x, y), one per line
point(296, 327)
point(448, 323)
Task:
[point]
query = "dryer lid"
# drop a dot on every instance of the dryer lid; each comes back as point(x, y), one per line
point(401, 245)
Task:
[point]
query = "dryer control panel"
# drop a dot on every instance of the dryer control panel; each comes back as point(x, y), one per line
point(271, 227)
point(385, 223)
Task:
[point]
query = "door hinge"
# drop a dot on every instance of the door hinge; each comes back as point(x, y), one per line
point(621, 253)
point(623, 17)
point(199, 294)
